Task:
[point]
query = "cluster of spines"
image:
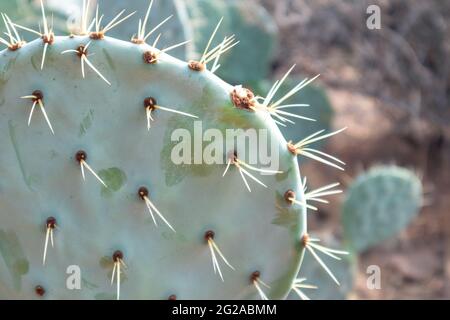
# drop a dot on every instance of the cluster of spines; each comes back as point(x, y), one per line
point(242, 98)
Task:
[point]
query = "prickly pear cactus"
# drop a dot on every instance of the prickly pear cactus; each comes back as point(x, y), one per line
point(27, 13)
point(379, 204)
point(317, 111)
point(323, 288)
point(172, 14)
point(94, 202)
point(250, 23)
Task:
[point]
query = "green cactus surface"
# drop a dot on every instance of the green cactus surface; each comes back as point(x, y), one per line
point(252, 25)
point(90, 130)
point(379, 204)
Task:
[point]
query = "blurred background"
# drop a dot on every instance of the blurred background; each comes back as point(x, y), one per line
point(385, 74)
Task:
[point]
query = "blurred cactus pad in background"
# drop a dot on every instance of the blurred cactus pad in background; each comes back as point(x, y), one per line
point(27, 12)
point(93, 95)
point(380, 204)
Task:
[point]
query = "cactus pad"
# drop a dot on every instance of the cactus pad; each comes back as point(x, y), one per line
point(90, 129)
point(379, 204)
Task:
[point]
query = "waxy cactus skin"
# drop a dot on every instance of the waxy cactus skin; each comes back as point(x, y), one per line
point(88, 180)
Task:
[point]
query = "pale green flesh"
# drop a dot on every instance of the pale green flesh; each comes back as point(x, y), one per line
point(39, 177)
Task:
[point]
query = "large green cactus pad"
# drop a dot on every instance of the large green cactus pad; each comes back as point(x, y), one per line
point(40, 178)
